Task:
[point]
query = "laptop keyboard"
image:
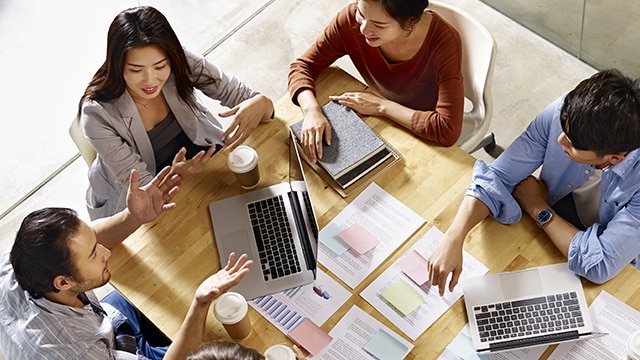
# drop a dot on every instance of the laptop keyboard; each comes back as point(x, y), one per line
point(529, 317)
point(274, 238)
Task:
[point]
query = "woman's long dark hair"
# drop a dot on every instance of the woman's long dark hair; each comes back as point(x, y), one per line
point(131, 29)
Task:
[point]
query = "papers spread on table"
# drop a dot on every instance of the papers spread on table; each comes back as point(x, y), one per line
point(403, 294)
point(462, 348)
point(316, 301)
point(611, 316)
point(365, 233)
point(358, 335)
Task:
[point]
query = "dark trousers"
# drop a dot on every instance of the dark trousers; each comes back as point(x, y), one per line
point(566, 208)
point(150, 340)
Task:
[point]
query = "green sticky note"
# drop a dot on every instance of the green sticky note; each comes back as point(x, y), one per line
point(330, 238)
point(402, 297)
point(385, 347)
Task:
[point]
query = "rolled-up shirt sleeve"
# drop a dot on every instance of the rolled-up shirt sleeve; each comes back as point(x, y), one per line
point(602, 251)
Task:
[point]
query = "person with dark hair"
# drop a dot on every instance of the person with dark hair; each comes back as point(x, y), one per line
point(587, 196)
point(47, 304)
point(408, 55)
point(140, 110)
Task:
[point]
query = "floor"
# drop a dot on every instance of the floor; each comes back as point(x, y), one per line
point(55, 47)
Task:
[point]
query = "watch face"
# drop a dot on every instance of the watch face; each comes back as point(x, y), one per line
point(544, 216)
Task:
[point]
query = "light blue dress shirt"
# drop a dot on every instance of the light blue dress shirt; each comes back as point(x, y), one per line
point(41, 329)
point(603, 249)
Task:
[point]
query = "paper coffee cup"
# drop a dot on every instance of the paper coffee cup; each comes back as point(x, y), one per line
point(232, 310)
point(633, 346)
point(279, 352)
point(243, 162)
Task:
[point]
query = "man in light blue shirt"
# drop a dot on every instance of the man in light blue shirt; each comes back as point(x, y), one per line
point(47, 306)
point(587, 197)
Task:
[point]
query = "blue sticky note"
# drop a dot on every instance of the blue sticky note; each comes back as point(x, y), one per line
point(330, 238)
point(385, 347)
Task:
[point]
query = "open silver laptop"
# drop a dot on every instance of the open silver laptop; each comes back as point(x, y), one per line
point(276, 226)
point(538, 306)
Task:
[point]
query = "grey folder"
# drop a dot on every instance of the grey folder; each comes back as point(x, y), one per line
point(276, 226)
point(355, 147)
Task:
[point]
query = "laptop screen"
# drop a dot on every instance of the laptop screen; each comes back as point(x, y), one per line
point(298, 184)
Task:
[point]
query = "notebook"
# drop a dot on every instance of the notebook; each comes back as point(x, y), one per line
point(538, 306)
point(276, 226)
point(355, 150)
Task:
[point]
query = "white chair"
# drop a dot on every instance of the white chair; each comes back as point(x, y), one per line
point(478, 56)
point(84, 145)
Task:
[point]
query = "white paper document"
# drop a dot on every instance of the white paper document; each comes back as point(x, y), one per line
point(359, 336)
point(461, 348)
point(365, 233)
point(316, 301)
point(611, 316)
point(399, 287)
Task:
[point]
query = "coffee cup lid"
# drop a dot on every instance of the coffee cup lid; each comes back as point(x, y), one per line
point(242, 159)
point(279, 352)
point(633, 346)
point(230, 308)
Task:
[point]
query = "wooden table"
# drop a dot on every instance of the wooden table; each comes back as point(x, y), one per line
point(159, 267)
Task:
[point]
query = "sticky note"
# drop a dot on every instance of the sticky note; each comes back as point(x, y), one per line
point(330, 238)
point(310, 336)
point(402, 297)
point(414, 266)
point(358, 238)
point(385, 347)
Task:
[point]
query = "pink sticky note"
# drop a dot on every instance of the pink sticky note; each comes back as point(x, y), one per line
point(414, 266)
point(310, 336)
point(358, 238)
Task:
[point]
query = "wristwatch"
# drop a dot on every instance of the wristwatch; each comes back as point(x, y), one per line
point(544, 216)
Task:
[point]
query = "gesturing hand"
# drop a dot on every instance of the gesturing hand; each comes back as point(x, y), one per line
point(148, 202)
point(187, 168)
point(224, 279)
point(248, 114)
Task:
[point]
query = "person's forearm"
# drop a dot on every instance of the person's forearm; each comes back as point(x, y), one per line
point(397, 113)
point(191, 333)
point(308, 102)
point(268, 106)
point(112, 230)
point(470, 213)
point(560, 231)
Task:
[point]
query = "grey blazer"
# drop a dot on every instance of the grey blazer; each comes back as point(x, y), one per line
point(116, 131)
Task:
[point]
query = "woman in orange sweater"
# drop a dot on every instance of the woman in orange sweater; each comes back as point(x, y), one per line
point(408, 55)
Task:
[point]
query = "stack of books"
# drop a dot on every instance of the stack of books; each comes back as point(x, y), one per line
point(357, 153)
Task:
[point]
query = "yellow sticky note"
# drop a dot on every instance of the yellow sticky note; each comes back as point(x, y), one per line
point(402, 297)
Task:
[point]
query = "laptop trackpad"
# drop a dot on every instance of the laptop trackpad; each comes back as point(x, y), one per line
point(516, 285)
point(237, 242)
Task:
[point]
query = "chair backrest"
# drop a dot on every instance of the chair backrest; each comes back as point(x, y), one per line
point(478, 57)
point(84, 145)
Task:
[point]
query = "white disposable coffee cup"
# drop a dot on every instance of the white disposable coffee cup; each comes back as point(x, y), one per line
point(633, 346)
point(279, 352)
point(232, 310)
point(243, 162)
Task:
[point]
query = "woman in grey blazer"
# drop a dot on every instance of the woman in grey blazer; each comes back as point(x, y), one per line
point(140, 111)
